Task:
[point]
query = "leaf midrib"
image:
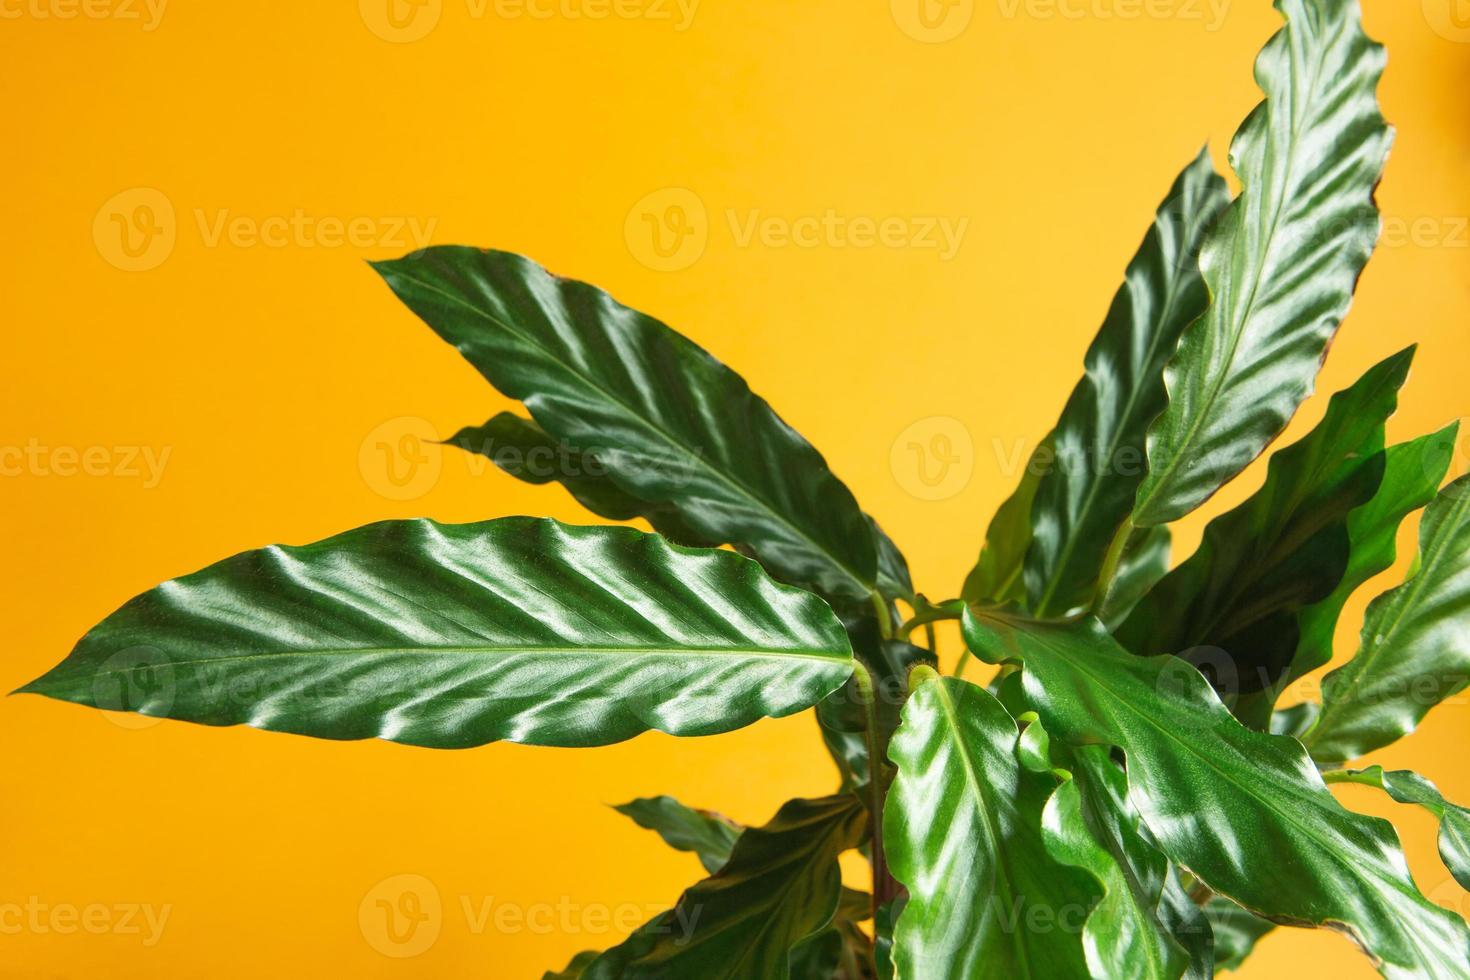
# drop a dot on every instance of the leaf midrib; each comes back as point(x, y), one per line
point(658, 430)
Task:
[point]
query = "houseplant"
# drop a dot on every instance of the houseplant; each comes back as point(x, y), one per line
point(1037, 827)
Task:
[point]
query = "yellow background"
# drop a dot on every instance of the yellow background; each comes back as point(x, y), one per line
point(268, 373)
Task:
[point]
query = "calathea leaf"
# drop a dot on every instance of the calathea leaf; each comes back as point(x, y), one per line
point(781, 885)
point(707, 835)
point(1236, 932)
point(1203, 783)
point(1282, 263)
point(1090, 824)
point(1236, 600)
point(998, 575)
point(963, 832)
point(574, 969)
point(1412, 472)
point(522, 449)
point(1144, 561)
point(456, 635)
point(1087, 493)
point(1415, 648)
point(1411, 788)
point(669, 422)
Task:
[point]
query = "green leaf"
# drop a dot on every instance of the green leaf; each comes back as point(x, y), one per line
point(998, 575)
point(1234, 604)
point(670, 423)
point(782, 884)
point(1283, 261)
point(963, 831)
point(1087, 493)
point(522, 449)
point(1145, 560)
point(1089, 824)
point(707, 835)
point(574, 969)
point(1213, 792)
point(1415, 648)
point(453, 635)
point(1412, 472)
point(1411, 788)
point(883, 926)
point(1236, 932)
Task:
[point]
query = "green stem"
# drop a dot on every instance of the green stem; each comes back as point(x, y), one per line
point(1109, 573)
point(884, 887)
point(927, 616)
point(885, 618)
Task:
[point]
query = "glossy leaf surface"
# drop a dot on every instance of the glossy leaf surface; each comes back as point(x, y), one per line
point(781, 885)
point(1282, 262)
point(670, 423)
point(707, 835)
point(1411, 788)
point(1098, 442)
point(1236, 932)
point(1415, 648)
point(1145, 560)
point(1090, 824)
point(1211, 791)
point(963, 833)
point(456, 635)
point(1258, 566)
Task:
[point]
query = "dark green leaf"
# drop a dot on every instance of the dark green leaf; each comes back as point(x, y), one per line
point(1412, 473)
point(1415, 649)
point(456, 635)
point(1282, 262)
point(1090, 824)
point(1236, 932)
point(707, 835)
point(1246, 812)
point(1145, 560)
point(1411, 788)
point(1235, 601)
point(669, 422)
point(781, 885)
point(522, 449)
point(883, 925)
point(1099, 440)
point(574, 969)
point(963, 831)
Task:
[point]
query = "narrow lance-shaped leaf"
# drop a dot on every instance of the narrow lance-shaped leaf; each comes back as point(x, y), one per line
point(707, 835)
point(1233, 605)
point(1203, 783)
point(670, 423)
point(781, 885)
point(1412, 472)
point(522, 449)
point(1283, 261)
point(998, 575)
point(963, 832)
point(1413, 789)
point(1099, 440)
point(1090, 824)
point(1415, 648)
point(456, 635)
